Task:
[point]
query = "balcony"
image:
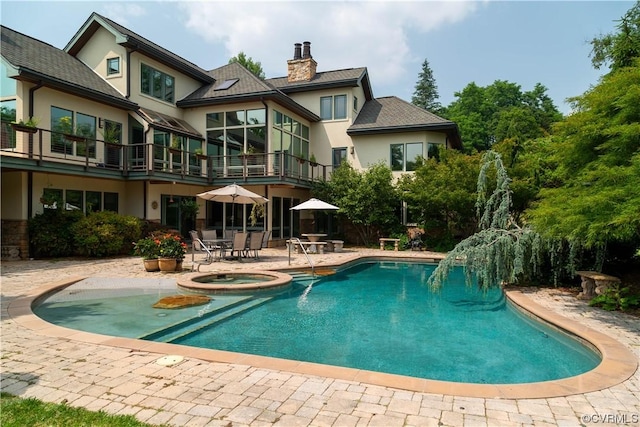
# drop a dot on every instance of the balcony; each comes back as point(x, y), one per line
point(44, 152)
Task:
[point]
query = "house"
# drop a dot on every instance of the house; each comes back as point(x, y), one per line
point(128, 126)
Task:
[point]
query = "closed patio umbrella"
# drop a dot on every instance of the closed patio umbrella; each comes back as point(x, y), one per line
point(233, 193)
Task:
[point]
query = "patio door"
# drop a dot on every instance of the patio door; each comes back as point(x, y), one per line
point(173, 217)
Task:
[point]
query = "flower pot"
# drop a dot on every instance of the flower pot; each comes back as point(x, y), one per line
point(151, 264)
point(24, 128)
point(167, 264)
point(179, 264)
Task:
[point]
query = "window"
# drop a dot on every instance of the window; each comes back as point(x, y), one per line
point(113, 66)
point(235, 132)
point(355, 103)
point(432, 151)
point(333, 107)
point(86, 127)
point(156, 83)
point(397, 157)
point(406, 157)
point(339, 155)
point(289, 136)
point(8, 109)
point(111, 202)
point(94, 201)
point(61, 123)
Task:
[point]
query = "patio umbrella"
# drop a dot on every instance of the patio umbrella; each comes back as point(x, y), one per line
point(311, 205)
point(233, 193)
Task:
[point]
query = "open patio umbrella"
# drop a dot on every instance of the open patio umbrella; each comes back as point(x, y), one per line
point(311, 205)
point(233, 193)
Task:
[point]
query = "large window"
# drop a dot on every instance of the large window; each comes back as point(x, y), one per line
point(61, 123)
point(86, 127)
point(333, 107)
point(55, 198)
point(289, 136)
point(406, 157)
point(235, 132)
point(8, 111)
point(157, 84)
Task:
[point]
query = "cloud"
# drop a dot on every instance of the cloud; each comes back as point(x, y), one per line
point(123, 13)
point(349, 34)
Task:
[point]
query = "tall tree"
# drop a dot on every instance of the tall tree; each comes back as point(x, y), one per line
point(594, 200)
point(619, 49)
point(488, 115)
point(425, 94)
point(247, 62)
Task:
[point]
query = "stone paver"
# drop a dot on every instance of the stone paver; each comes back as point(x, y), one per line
point(200, 393)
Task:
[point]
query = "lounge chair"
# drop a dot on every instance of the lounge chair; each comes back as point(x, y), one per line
point(198, 246)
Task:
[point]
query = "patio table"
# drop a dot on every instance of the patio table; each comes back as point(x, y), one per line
point(223, 244)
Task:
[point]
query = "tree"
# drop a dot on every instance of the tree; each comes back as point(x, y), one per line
point(368, 199)
point(594, 199)
point(425, 94)
point(247, 62)
point(440, 197)
point(488, 115)
point(502, 251)
point(619, 49)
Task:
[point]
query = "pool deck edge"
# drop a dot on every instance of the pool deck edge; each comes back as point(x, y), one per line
point(617, 365)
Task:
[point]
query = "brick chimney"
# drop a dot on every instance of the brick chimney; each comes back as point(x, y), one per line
point(302, 68)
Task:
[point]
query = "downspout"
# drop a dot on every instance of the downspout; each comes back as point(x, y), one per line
point(146, 182)
point(30, 173)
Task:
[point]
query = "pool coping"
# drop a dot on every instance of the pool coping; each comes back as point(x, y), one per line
point(618, 363)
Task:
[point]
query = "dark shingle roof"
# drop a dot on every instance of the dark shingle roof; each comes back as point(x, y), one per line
point(327, 79)
point(247, 88)
point(37, 62)
point(392, 114)
point(130, 39)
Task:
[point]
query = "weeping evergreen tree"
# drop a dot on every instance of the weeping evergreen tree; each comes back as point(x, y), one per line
point(501, 251)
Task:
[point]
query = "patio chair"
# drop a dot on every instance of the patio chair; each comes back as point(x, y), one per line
point(265, 239)
point(209, 234)
point(228, 234)
point(198, 246)
point(255, 242)
point(240, 244)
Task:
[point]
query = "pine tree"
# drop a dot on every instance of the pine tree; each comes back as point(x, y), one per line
point(426, 91)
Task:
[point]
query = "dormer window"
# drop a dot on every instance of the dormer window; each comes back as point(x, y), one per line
point(113, 66)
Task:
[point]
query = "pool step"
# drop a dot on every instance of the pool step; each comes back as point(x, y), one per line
point(181, 329)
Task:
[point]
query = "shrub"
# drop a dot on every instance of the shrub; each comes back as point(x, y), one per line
point(50, 233)
point(616, 298)
point(105, 234)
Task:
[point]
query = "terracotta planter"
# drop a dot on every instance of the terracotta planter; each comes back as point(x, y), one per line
point(167, 264)
point(151, 264)
point(179, 264)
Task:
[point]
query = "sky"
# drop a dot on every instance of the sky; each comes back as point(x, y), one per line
point(523, 42)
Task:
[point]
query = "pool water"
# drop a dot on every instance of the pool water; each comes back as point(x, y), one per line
point(381, 316)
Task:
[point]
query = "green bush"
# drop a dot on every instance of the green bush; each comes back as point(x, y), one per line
point(50, 233)
point(616, 298)
point(105, 234)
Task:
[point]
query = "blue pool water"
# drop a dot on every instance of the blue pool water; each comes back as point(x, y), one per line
point(377, 316)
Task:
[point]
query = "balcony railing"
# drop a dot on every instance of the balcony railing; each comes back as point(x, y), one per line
point(43, 147)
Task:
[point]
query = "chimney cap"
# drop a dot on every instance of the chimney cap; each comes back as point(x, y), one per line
point(306, 52)
point(297, 51)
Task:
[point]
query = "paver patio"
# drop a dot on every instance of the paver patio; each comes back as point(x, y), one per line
point(56, 365)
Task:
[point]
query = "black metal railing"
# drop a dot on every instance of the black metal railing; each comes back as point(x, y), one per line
point(45, 146)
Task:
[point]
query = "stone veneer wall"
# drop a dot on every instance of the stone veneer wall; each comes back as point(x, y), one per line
point(15, 239)
point(301, 70)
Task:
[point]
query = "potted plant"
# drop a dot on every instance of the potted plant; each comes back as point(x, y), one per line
point(65, 127)
point(111, 134)
point(302, 159)
point(312, 160)
point(175, 147)
point(30, 126)
point(149, 249)
point(172, 250)
point(200, 154)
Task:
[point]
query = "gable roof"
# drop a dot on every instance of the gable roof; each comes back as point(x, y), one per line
point(247, 88)
point(133, 41)
point(38, 62)
point(392, 114)
point(350, 77)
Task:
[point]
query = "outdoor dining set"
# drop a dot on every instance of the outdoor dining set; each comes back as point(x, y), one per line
point(238, 244)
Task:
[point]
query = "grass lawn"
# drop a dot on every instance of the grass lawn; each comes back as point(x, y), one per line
point(18, 412)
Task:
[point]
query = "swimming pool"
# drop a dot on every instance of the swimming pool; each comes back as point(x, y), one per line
point(377, 316)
